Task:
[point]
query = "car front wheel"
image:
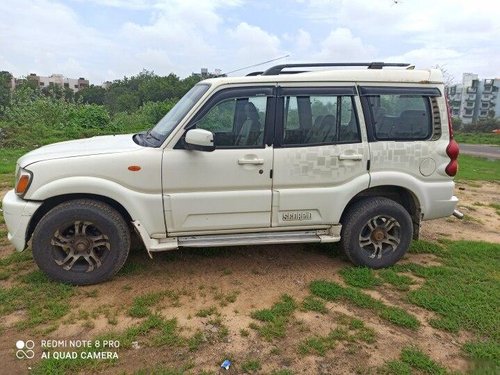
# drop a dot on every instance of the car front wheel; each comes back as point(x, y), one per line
point(81, 242)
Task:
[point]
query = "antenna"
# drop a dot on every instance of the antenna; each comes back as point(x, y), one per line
point(253, 66)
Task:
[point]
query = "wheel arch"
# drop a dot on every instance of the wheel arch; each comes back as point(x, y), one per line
point(52, 202)
point(399, 194)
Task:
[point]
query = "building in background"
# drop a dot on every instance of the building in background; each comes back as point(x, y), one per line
point(204, 73)
point(474, 99)
point(75, 84)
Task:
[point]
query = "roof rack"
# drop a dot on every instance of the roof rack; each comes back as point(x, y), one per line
point(254, 74)
point(278, 69)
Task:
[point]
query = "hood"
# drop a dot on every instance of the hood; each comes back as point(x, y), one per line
point(108, 144)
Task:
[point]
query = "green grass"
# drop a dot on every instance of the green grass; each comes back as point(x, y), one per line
point(8, 158)
point(221, 331)
point(225, 299)
point(317, 345)
point(349, 330)
point(425, 247)
point(464, 291)
point(141, 305)
point(473, 168)
point(483, 351)
point(16, 258)
point(195, 341)
point(275, 319)
point(251, 366)
point(311, 303)
point(395, 367)
point(421, 361)
point(45, 301)
point(496, 207)
point(332, 291)
point(400, 282)
point(203, 313)
point(166, 335)
point(478, 138)
point(412, 361)
point(360, 277)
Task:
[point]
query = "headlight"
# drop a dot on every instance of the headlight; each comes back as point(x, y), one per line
point(23, 181)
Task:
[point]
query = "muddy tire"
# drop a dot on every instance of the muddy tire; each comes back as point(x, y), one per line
point(376, 232)
point(81, 242)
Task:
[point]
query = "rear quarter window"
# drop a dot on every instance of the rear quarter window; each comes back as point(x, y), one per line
point(401, 117)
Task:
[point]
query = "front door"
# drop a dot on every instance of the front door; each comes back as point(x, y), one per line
point(229, 188)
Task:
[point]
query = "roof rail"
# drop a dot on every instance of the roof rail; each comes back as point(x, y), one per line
point(277, 69)
point(254, 74)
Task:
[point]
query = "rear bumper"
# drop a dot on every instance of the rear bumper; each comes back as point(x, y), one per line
point(17, 214)
point(441, 208)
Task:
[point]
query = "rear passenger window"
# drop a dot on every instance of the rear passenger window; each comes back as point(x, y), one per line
point(318, 120)
point(401, 117)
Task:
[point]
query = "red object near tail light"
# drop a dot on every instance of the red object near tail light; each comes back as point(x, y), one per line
point(452, 168)
point(452, 150)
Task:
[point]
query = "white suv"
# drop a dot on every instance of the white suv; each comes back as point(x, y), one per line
point(359, 156)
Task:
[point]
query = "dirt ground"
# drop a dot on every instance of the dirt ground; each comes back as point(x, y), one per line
point(259, 276)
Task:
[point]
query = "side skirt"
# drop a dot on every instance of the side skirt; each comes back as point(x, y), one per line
point(153, 245)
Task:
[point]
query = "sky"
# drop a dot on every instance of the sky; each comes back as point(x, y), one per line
point(108, 39)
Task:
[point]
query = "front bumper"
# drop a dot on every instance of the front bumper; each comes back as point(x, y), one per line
point(17, 214)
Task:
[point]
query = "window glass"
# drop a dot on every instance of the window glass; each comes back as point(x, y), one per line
point(168, 123)
point(316, 120)
point(237, 122)
point(401, 117)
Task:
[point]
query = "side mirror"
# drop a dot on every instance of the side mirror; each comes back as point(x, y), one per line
point(200, 140)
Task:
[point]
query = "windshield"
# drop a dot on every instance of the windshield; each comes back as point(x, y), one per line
point(168, 123)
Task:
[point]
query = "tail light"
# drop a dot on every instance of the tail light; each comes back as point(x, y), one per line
point(452, 150)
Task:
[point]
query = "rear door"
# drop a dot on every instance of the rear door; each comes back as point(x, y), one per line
point(320, 155)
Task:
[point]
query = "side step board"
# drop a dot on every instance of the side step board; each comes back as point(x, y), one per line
point(153, 245)
point(263, 238)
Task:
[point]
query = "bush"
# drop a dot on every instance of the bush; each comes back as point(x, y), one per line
point(87, 116)
point(482, 126)
point(33, 119)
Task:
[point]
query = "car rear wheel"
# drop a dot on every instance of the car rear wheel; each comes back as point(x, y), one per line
point(81, 242)
point(376, 232)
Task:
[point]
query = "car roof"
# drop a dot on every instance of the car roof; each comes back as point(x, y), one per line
point(424, 76)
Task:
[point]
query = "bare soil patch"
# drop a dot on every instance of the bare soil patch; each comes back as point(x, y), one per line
point(481, 221)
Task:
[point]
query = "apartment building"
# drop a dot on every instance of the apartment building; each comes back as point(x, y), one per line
point(475, 99)
point(74, 84)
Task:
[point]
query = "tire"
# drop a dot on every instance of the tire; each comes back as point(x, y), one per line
point(81, 242)
point(376, 232)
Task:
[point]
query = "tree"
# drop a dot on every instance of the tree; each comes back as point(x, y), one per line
point(448, 78)
point(53, 91)
point(5, 90)
point(456, 123)
point(91, 95)
point(121, 99)
point(158, 88)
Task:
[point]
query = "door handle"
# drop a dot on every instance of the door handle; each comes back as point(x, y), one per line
point(250, 161)
point(350, 157)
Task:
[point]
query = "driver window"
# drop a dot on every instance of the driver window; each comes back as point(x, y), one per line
point(237, 122)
